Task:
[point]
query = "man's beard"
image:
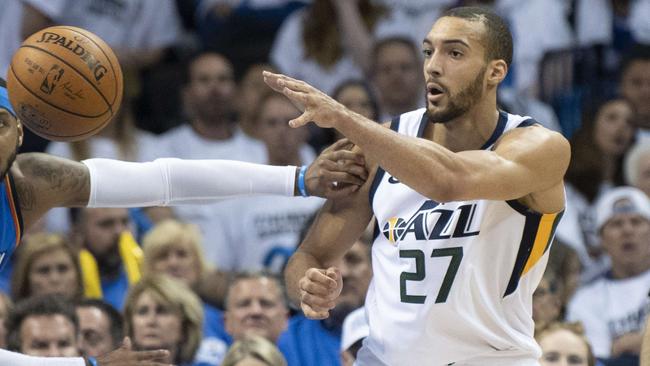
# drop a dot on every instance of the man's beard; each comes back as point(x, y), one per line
point(10, 162)
point(460, 103)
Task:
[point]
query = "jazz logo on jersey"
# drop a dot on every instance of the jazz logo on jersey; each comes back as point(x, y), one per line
point(431, 222)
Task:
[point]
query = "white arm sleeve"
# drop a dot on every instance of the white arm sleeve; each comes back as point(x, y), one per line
point(169, 181)
point(17, 359)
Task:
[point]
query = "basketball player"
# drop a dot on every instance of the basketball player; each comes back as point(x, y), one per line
point(466, 199)
point(31, 184)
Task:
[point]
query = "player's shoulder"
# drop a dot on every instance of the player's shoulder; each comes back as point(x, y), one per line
point(527, 133)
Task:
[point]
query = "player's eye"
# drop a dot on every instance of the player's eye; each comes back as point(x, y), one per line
point(427, 53)
point(455, 54)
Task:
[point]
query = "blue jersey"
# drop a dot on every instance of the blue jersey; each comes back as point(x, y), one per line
point(12, 224)
point(308, 342)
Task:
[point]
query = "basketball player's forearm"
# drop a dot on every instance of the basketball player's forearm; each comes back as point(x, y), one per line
point(425, 166)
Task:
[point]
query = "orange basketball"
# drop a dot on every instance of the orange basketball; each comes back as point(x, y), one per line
point(65, 83)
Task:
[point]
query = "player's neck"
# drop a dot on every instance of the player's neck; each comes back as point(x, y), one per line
point(222, 130)
point(467, 132)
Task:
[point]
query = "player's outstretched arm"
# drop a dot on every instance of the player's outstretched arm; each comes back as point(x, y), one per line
point(311, 277)
point(44, 181)
point(527, 161)
point(122, 356)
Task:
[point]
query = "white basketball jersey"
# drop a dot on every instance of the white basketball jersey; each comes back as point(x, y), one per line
point(453, 282)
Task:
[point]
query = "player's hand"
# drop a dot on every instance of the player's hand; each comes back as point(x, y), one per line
point(317, 106)
point(319, 289)
point(125, 356)
point(336, 172)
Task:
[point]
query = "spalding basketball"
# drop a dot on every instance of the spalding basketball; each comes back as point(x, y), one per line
point(65, 83)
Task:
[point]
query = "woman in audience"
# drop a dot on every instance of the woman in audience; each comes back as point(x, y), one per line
point(5, 308)
point(46, 264)
point(547, 303)
point(597, 152)
point(174, 248)
point(565, 344)
point(356, 95)
point(163, 313)
point(254, 351)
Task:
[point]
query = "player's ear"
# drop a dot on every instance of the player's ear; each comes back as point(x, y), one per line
point(21, 132)
point(497, 71)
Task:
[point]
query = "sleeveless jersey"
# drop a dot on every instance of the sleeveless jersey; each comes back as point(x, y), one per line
point(10, 219)
point(453, 282)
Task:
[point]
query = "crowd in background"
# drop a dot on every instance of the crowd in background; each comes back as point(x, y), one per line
point(205, 282)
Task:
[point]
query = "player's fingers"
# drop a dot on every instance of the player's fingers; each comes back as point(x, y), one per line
point(317, 302)
point(349, 167)
point(333, 273)
point(312, 314)
point(347, 155)
point(319, 276)
point(313, 287)
point(157, 355)
point(342, 144)
point(344, 191)
point(340, 177)
point(294, 84)
point(300, 121)
point(271, 80)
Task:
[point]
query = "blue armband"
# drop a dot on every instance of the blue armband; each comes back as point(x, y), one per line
point(301, 181)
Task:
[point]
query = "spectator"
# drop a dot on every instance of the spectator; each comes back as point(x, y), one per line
point(318, 342)
point(100, 327)
point(174, 248)
point(397, 75)
point(256, 305)
point(355, 330)
point(637, 167)
point(597, 152)
point(138, 31)
point(249, 90)
point(310, 44)
point(635, 84)
point(211, 133)
point(261, 232)
point(254, 350)
point(43, 326)
point(110, 258)
point(162, 313)
point(565, 344)
point(613, 308)
point(564, 262)
point(547, 301)
point(46, 264)
point(357, 95)
point(5, 308)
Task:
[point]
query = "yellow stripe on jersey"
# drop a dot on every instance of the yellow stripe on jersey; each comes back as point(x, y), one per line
point(544, 235)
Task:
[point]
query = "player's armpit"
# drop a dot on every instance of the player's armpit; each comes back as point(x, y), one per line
point(44, 181)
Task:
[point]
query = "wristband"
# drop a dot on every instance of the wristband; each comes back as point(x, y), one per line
point(92, 361)
point(301, 181)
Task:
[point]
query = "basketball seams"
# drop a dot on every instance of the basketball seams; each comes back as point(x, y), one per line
point(48, 102)
point(110, 107)
point(72, 29)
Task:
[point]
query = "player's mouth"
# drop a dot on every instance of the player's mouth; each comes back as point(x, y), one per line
point(435, 92)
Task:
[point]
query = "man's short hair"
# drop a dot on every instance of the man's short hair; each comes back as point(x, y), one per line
point(256, 275)
point(637, 53)
point(46, 305)
point(498, 38)
point(114, 316)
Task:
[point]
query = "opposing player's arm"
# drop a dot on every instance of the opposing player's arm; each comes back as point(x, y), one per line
point(44, 181)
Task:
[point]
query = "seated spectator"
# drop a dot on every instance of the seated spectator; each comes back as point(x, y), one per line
point(254, 351)
point(396, 73)
point(357, 96)
point(256, 305)
point(597, 151)
point(46, 264)
point(564, 262)
point(318, 342)
point(174, 248)
point(110, 258)
point(614, 307)
point(635, 85)
point(355, 330)
point(637, 167)
point(249, 90)
point(328, 41)
point(5, 308)
point(547, 301)
point(565, 344)
point(100, 327)
point(43, 326)
point(162, 313)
